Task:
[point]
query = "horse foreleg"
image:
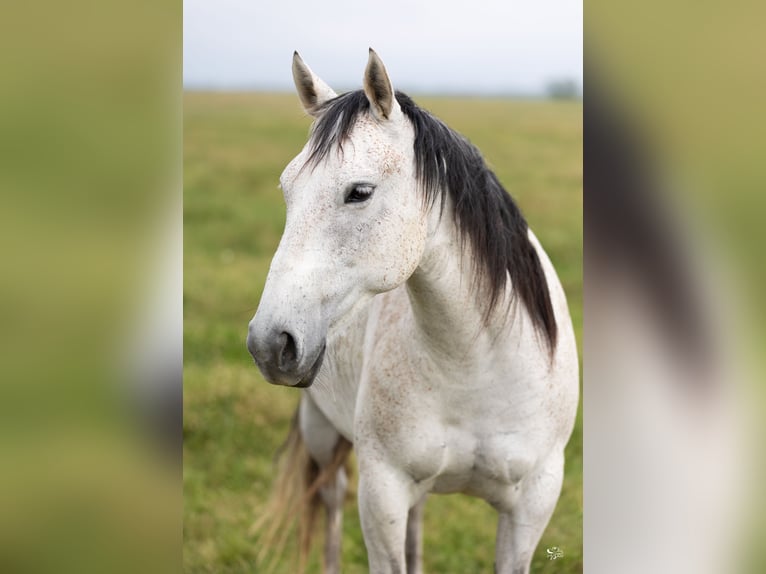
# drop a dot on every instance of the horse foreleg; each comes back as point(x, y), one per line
point(520, 528)
point(413, 549)
point(384, 501)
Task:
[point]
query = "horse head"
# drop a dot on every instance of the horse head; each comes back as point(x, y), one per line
point(355, 224)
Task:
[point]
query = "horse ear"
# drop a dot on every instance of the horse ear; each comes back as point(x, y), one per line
point(312, 91)
point(379, 90)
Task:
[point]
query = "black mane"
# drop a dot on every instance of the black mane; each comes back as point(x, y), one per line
point(485, 214)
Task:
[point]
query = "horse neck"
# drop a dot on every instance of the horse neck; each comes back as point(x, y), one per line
point(444, 296)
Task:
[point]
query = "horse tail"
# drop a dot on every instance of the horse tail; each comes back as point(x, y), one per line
point(295, 498)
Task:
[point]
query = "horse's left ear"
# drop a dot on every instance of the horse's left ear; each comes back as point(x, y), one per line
point(312, 91)
point(379, 90)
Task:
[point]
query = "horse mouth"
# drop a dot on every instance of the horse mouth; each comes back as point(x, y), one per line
point(308, 379)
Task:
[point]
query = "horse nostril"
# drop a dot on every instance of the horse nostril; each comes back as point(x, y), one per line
point(288, 354)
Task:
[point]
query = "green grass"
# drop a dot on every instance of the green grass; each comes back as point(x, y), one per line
point(235, 146)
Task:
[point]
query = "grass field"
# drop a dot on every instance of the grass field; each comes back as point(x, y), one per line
point(235, 146)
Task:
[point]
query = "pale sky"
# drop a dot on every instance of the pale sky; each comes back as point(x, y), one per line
point(470, 46)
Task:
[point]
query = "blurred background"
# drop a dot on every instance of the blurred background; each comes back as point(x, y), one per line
point(674, 261)
point(507, 48)
point(90, 291)
point(512, 85)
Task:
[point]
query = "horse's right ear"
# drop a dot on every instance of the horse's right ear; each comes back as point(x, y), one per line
point(378, 89)
point(312, 91)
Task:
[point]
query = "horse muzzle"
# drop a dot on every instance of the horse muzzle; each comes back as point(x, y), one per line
point(284, 359)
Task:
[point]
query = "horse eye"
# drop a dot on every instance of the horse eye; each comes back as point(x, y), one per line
point(360, 192)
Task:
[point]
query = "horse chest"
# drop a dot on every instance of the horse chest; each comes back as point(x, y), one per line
point(451, 442)
point(456, 459)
